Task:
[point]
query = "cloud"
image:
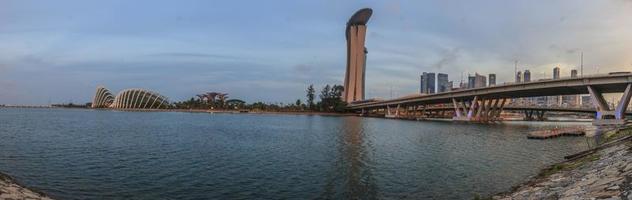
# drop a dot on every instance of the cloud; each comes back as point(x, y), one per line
point(447, 57)
point(193, 55)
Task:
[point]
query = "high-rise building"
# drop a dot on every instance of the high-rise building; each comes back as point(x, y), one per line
point(356, 55)
point(471, 81)
point(527, 76)
point(555, 100)
point(443, 83)
point(481, 81)
point(492, 79)
point(422, 84)
point(518, 77)
point(556, 73)
point(572, 100)
point(428, 83)
point(476, 81)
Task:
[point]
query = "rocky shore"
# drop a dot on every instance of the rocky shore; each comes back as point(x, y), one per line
point(604, 173)
point(9, 189)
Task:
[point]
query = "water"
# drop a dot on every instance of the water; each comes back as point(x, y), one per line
point(88, 154)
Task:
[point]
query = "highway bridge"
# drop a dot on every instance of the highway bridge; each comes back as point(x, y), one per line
point(486, 103)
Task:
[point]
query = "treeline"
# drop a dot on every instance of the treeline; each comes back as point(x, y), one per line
point(328, 100)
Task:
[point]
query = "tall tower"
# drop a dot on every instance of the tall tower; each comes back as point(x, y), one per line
point(356, 55)
point(556, 73)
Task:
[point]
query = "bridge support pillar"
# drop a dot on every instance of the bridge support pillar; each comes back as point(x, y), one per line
point(534, 115)
point(605, 116)
point(479, 109)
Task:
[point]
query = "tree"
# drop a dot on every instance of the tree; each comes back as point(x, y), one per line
point(325, 98)
point(325, 93)
point(310, 97)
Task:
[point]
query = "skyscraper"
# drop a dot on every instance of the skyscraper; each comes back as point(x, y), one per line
point(428, 83)
point(572, 100)
point(556, 73)
point(518, 77)
point(471, 81)
point(476, 81)
point(443, 83)
point(527, 76)
point(480, 81)
point(422, 84)
point(356, 55)
point(492, 79)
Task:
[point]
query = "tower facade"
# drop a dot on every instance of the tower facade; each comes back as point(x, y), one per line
point(492, 79)
point(356, 55)
point(527, 76)
point(443, 84)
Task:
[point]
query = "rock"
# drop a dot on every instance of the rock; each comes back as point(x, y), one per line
point(573, 191)
point(616, 187)
point(628, 167)
point(603, 194)
point(609, 177)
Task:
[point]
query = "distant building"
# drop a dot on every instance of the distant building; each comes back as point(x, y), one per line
point(556, 73)
point(586, 101)
point(518, 77)
point(422, 84)
point(481, 81)
point(477, 81)
point(450, 85)
point(572, 100)
point(463, 85)
point(527, 76)
point(492, 79)
point(129, 99)
point(428, 83)
point(443, 83)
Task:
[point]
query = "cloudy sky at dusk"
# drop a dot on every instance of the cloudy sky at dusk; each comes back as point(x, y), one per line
point(60, 51)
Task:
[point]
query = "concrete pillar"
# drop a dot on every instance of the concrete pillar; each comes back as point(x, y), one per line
point(619, 111)
point(604, 116)
point(457, 109)
point(473, 106)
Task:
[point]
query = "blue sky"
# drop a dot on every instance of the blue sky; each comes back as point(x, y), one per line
point(60, 51)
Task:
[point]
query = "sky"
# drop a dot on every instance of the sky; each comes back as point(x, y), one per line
point(270, 51)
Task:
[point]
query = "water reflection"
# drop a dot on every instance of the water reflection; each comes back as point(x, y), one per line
point(78, 154)
point(354, 170)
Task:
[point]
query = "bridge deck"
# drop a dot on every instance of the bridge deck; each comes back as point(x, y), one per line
point(566, 86)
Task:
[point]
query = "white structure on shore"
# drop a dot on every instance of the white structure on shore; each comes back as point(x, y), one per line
point(135, 98)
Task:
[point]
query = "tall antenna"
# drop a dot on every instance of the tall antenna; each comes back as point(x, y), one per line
point(581, 64)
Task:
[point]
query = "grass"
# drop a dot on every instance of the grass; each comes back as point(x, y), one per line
point(568, 165)
point(616, 134)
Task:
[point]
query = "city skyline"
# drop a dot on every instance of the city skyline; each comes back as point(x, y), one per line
point(68, 48)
